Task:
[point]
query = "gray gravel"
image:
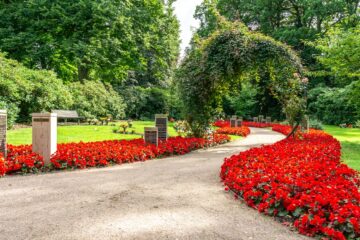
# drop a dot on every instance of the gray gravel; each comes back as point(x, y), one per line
point(173, 198)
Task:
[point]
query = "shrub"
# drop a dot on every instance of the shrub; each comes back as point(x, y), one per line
point(316, 124)
point(325, 102)
point(93, 99)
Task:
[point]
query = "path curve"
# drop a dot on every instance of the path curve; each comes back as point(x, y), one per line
point(174, 198)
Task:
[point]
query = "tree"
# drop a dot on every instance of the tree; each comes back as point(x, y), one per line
point(95, 40)
point(340, 53)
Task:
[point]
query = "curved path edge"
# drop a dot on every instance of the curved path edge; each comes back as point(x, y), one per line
point(178, 197)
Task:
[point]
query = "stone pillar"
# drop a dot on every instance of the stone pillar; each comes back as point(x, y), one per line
point(3, 127)
point(44, 134)
point(161, 122)
point(239, 122)
point(261, 118)
point(233, 122)
point(151, 135)
point(268, 119)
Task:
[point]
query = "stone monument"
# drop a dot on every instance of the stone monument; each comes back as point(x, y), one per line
point(151, 135)
point(268, 119)
point(161, 122)
point(3, 127)
point(255, 119)
point(44, 134)
point(233, 122)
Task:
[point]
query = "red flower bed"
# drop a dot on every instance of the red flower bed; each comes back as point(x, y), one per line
point(222, 123)
point(83, 155)
point(300, 181)
point(256, 124)
point(239, 131)
point(2, 165)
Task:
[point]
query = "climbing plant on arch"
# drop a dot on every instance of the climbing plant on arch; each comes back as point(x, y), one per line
point(214, 65)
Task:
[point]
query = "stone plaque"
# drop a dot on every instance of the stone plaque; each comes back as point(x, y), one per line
point(44, 134)
point(233, 122)
point(268, 119)
point(261, 118)
point(3, 126)
point(239, 122)
point(161, 122)
point(151, 135)
point(255, 119)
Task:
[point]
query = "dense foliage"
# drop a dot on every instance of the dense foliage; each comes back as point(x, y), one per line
point(301, 181)
point(221, 61)
point(133, 45)
point(87, 39)
point(24, 91)
point(324, 33)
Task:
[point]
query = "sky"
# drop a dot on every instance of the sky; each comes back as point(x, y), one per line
point(185, 10)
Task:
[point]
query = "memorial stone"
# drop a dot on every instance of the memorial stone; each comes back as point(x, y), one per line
point(233, 122)
point(255, 119)
point(3, 127)
point(268, 119)
point(151, 135)
point(44, 134)
point(161, 122)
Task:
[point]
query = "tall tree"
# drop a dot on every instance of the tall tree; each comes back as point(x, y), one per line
point(86, 39)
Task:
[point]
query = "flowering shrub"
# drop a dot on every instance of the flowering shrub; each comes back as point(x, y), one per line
point(299, 180)
point(83, 155)
point(239, 131)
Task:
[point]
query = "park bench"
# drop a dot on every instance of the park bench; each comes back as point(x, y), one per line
point(67, 114)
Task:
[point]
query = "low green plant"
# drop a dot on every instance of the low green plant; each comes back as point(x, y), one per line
point(316, 124)
point(357, 124)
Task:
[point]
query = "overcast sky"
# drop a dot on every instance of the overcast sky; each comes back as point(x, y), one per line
point(185, 10)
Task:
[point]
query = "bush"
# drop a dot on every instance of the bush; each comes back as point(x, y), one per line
point(144, 103)
point(316, 124)
point(24, 91)
point(332, 105)
point(93, 99)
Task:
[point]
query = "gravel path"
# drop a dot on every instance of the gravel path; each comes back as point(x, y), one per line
point(174, 198)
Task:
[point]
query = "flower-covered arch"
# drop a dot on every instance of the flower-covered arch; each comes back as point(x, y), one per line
point(214, 65)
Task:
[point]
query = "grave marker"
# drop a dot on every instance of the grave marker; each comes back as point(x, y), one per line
point(233, 122)
point(268, 119)
point(255, 119)
point(161, 122)
point(151, 135)
point(261, 118)
point(44, 134)
point(3, 128)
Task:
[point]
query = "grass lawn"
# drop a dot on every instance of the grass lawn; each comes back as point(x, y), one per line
point(85, 133)
point(350, 143)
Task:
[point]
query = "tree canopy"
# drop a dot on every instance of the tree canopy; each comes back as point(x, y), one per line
point(103, 40)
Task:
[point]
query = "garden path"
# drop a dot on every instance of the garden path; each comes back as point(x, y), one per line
point(174, 198)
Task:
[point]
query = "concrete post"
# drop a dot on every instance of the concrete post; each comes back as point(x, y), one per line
point(151, 135)
point(44, 134)
point(3, 129)
point(233, 122)
point(161, 122)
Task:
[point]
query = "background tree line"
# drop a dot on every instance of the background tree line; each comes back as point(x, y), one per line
point(127, 49)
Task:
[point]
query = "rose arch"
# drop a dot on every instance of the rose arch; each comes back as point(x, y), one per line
point(230, 55)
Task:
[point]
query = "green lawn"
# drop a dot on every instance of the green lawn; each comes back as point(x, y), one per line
point(85, 133)
point(350, 143)
point(88, 133)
